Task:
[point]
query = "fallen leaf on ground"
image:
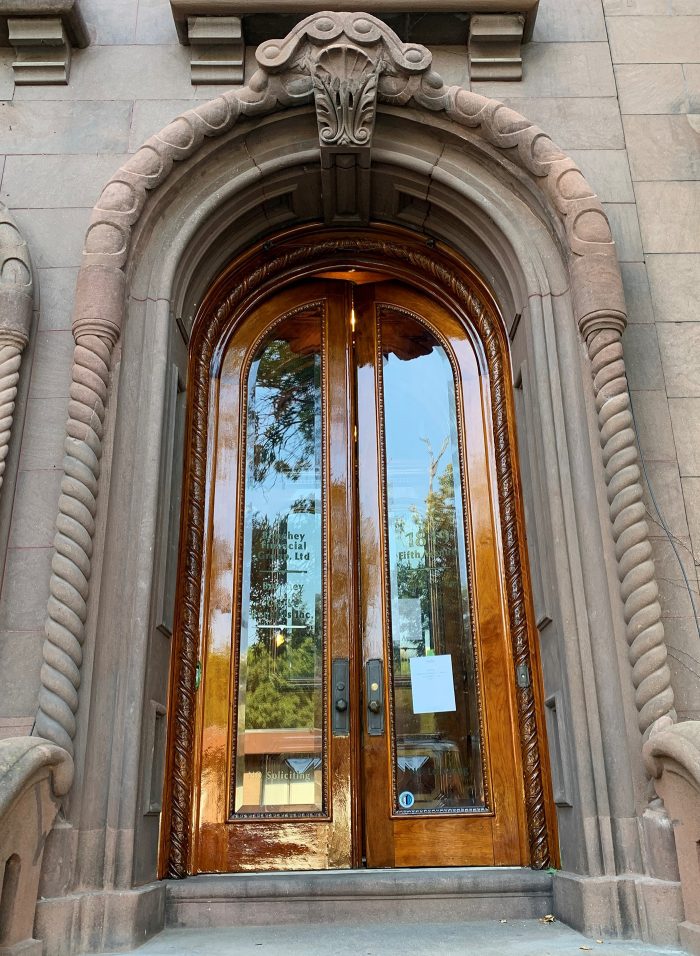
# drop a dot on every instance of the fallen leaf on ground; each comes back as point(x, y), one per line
point(549, 918)
point(587, 948)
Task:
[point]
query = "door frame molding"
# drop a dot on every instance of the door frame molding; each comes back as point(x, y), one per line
point(283, 259)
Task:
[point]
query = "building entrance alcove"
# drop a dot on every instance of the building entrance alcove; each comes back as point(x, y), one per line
point(367, 687)
point(220, 257)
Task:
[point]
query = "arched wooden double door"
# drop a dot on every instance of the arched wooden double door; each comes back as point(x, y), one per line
point(356, 699)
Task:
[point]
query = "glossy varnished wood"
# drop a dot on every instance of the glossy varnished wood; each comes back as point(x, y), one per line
point(245, 300)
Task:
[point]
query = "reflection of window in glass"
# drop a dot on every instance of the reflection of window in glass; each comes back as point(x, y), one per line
point(438, 755)
point(279, 739)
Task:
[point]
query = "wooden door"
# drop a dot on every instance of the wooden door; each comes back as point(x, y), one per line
point(276, 758)
point(356, 702)
point(441, 772)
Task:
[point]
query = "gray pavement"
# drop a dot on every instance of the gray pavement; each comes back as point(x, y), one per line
point(481, 938)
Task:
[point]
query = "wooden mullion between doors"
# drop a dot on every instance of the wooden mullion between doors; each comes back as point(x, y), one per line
point(378, 835)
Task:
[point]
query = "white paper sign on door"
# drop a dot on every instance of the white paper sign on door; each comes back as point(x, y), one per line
point(432, 684)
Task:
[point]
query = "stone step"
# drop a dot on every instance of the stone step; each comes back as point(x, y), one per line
point(475, 938)
point(358, 896)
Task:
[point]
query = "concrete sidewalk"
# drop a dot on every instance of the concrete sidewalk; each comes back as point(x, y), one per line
point(481, 938)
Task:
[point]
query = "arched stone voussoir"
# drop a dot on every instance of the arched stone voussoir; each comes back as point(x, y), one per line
point(359, 56)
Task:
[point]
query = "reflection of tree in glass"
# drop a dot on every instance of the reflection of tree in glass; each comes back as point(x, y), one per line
point(437, 582)
point(281, 673)
point(283, 411)
point(279, 691)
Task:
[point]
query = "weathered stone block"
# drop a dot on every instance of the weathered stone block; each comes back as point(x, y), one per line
point(20, 663)
point(573, 122)
point(25, 589)
point(663, 147)
point(691, 493)
point(113, 22)
point(651, 88)
point(570, 20)
point(121, 73)
point(51, 368)
point(558, 70)
point(41, 227)
point(691, 72)
point(44, 432)
point(625, 229)
point(642, 358)
point(669, 509)
point(150, 116)
point(629, 8)
point(38, 181)
point(452, 63)
point(652, 417)
point(654, 39)
point(80, 127)
point(607, 171)
point(685, 416)
point(637, 294)
point(673, 280)
point(669, 214)
point(57, 294)
point(155, 23)
point(679, 343)
point(35, 509)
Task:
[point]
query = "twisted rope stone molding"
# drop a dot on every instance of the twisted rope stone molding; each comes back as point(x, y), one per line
point(16, 302)
point(283, 80)
point(640, 592)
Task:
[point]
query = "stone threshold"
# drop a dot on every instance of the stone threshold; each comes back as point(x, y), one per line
point(459, 893)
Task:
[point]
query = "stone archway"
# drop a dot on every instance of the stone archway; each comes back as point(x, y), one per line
point(312, 63)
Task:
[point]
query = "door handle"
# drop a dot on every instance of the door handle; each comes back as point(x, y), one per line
point(340, 677)
point(374, 689)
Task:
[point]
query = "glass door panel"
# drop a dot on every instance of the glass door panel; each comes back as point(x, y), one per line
point(280, 724)
point(437, 740)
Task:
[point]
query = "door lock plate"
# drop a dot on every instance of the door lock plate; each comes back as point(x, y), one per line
point(340, 688)
point(374, 690)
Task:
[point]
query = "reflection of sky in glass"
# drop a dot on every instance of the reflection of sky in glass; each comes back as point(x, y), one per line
point(420, 423)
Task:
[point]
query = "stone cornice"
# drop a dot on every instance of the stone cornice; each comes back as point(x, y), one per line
point(182, 9)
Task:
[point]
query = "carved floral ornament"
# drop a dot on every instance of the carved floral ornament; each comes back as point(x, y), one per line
point(346, 62)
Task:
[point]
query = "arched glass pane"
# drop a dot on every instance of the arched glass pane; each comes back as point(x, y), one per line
point(437, 745)
point(279, 746)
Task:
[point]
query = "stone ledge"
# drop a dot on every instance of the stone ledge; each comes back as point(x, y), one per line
point(43, 33)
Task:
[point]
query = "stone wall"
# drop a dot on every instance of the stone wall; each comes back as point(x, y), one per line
point(615, 83)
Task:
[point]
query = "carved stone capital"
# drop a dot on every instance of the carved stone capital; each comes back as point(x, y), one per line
point(16, 285)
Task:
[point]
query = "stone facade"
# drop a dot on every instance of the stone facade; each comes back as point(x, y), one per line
point(616, 85)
